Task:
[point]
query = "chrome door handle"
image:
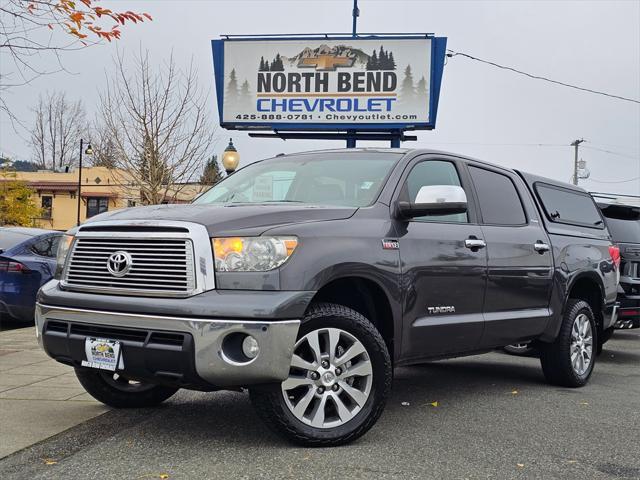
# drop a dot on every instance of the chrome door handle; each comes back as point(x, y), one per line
point(474, 243)
point(541, 247)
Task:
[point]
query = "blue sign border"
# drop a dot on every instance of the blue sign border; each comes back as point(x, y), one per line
point(438, 51)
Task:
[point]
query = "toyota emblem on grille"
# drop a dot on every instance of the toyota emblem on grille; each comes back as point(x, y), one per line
point(119, 263)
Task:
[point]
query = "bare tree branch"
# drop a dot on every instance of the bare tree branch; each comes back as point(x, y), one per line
point(157, 124)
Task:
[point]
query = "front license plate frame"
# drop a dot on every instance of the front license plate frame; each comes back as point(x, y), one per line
point(103, 354)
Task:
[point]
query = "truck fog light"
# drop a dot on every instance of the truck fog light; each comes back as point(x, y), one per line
point(250, 347)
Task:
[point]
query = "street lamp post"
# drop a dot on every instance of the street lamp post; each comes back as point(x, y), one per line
point(230, 158)
point(88, 151)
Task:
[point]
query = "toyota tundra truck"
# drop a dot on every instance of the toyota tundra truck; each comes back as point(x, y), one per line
point(308, 278)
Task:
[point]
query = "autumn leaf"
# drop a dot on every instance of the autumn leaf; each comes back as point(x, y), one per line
point(49, 461)
point(434, 404)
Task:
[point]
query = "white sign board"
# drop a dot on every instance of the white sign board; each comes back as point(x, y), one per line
point(325, 82)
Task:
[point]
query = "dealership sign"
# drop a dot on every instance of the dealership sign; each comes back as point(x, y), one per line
point(311, 83)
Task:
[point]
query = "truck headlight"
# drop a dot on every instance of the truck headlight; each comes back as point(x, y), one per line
point(252, 254)
point(61, 256)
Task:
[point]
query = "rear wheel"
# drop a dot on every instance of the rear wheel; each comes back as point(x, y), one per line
point(338, 383)
point(569, 361)
point(117, 391)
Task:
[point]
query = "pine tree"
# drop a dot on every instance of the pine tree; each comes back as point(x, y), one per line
point(391, 63)
point(407, 90)
point(277, 65)
point(373, 61)
point(421, 88)
point(261, 67)
point(232, 86)
point(382, 59)
point(244, 89)
point(212, 173)
point(266, 66)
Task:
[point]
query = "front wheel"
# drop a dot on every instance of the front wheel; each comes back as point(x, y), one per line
point(117, 391)
point(339, 380)
point(569, 360)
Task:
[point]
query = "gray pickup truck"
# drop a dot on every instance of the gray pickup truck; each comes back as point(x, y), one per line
point(307, 278)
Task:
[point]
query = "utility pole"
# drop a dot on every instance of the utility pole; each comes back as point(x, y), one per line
point(356, 14)
point(576, 144)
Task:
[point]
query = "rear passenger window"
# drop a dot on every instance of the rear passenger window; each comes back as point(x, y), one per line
point(434, 172)
point(499, 200)
point(568, 206)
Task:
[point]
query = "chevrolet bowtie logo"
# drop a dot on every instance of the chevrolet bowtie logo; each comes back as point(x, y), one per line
point(326, 62)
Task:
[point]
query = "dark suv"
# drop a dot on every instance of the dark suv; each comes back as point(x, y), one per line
point(307, 278)
point(623, 222)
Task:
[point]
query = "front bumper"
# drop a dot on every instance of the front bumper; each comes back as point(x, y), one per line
point(181, 351)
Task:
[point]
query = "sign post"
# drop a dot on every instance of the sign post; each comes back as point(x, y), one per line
point(329, 86)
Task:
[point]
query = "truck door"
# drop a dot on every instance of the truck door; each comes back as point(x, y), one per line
point(520, 264)
point(443, 267)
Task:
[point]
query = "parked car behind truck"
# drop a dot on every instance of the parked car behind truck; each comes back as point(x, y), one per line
point(623, 222)
point(27, 261)
point(307, 278)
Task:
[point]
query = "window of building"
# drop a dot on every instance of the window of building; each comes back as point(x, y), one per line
point(46, 204)
point(434, 172)
point(499, 200)
point(563, 205)
point(96, 205)
point(131, 203)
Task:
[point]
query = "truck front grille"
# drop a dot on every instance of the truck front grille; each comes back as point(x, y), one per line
point(152, 265)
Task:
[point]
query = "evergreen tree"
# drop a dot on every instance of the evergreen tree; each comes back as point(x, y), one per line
point(244, 89)
point(382, 59)
point(212, 173)
point(391, 63)
point(232, 86)
point(266, 66)
point(407, 90)
point(261, 67)
point(421, 88)
point(372, 63)
point(277, 65)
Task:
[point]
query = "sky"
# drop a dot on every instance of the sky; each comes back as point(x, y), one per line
point(483, 112)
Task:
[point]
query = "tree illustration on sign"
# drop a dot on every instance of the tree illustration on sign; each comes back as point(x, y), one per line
point(381, 61)
point(407, 90)
point(421, 88)
point(232, 87)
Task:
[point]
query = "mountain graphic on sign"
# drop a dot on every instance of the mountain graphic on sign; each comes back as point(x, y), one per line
point(349, 56)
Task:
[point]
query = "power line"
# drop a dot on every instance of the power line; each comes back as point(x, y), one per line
point(539, 77)
point(617, 181)
point(611, 152)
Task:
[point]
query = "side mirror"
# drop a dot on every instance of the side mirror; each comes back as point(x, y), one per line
point(435, 200)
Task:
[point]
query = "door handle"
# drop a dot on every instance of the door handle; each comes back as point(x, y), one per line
point(541, 247)
point(474, 243)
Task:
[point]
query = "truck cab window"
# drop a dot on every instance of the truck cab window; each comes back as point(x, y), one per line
point(499, 200)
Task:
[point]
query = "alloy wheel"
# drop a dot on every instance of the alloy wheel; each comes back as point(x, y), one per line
point(330, 378)
point(581, 344)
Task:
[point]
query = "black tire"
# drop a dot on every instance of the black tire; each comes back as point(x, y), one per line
point(556, 357)
point(519, 349)
point(270, 405)
point(119, 393)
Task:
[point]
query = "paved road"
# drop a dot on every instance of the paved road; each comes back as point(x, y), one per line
point(495, 418)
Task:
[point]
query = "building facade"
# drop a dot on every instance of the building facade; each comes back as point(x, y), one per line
point(102, 189)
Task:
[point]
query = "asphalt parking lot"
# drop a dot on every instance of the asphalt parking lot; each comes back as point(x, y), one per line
point(489, 416)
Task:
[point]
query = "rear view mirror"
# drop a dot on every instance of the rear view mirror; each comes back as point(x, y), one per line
point(435, 200)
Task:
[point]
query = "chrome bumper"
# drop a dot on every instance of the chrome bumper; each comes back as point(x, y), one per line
point(275, 339)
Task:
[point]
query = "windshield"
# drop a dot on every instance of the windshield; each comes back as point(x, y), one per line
point(345, 179)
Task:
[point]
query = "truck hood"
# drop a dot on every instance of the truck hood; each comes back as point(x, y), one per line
point(233, 219)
